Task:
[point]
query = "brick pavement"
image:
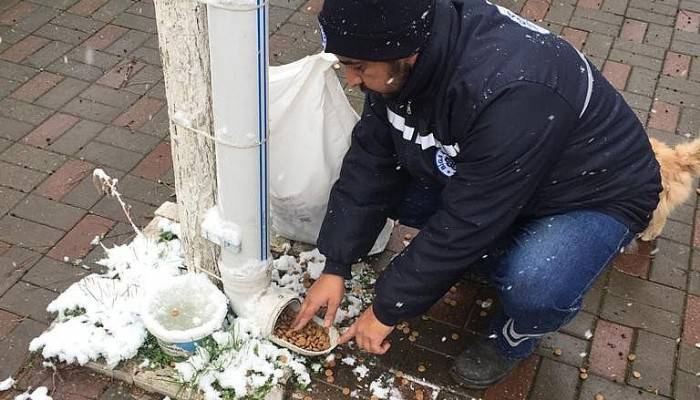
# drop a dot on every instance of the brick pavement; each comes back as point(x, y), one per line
point(81, 86)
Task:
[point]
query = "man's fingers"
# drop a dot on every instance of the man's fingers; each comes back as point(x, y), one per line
point(307, 311)
point(385, 347)
point(349, 334)
point(330, 313)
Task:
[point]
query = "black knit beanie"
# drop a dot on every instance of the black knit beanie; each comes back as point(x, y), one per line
point(375, 30)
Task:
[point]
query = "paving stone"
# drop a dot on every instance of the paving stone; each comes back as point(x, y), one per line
point(156, 163)
point(611, 345)
point(144, 8)
point(47, 54)
point(28, 300)
point(677, 231)
point(517, 385)
point(79, 23)
point(654, 360)
point(635, 59)
point(147, 55)
point(67, 89)
point(140, 212)
point(613, 391)
point(691, 323)
point(638, 290)
point(107, 95)
point(159, 125)
point(50, 129)
point(676, 64)
point(138, 114)
point(642, 81)
point(658, 35)
point(83, 195)
point(689, 358)
point(639, 48)
point(74, 139)
point(28, 234)
point(105, 37)
point(32, 157)
point(146, 191)
point(535, 10)
point(102, 154)
point(19, 178)
point(634, 30)
point(669, 275)
point(571, 348)
point(616, 73)
point(75, 69)
point(677, 98)
point(638, 315)
point(136, 22)
point(672, 252)
point(111, 9)
point(64, 179)
point(13, 129)
point(127, 43)
point(575, 36)
point(42, 210)
point(465, 296)
point(689, 124)
point(86, 7)
point(92, 110)
point(15, 14)
point(78, 241)
point(96, 58)
point(23, 112)
point(144, 79)
point(578, 327)
point(555, 380)
point(54, 274)
point(36, 19)
point(8, 322)
point(687, 386)
point(23, 49)
point(61, 33)
point(13, 264)
point(8, 199)
point(16, 72)
point(14, 354)
point(37, 86)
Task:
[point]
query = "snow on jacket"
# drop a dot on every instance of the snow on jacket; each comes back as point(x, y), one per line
point(510, 122)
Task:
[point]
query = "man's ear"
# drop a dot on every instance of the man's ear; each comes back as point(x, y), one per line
point(411, 60)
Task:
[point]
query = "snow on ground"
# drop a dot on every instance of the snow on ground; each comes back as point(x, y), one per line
point(40, 393)
point(99, 316)
point(6, 384)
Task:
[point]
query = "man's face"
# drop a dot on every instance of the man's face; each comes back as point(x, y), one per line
point(384, 77)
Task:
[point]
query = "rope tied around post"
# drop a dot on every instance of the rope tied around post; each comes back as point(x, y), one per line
point(179, 119)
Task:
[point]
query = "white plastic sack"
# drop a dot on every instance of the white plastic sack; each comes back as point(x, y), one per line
point(311, 122)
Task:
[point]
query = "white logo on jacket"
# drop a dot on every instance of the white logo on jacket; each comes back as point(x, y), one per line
point(444, 163)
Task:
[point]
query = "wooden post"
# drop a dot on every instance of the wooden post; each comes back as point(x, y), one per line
point(184, 50)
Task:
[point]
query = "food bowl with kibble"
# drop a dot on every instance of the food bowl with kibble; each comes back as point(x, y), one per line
point(183, 311)
point(312, 340)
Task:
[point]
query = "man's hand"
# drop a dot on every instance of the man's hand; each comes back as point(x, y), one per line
point(327, 291)
point(369, 333)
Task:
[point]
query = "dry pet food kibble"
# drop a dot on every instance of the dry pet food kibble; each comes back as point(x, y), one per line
point(313, 337)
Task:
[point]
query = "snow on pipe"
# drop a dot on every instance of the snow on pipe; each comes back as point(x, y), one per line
point(238, 50)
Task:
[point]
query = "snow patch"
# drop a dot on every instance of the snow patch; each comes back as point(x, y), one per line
point(6, 384)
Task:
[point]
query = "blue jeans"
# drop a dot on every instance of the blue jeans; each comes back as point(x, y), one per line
point(542, 271)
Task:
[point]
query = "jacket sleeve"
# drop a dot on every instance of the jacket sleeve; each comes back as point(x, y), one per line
point(369, 186)
point(503, 158)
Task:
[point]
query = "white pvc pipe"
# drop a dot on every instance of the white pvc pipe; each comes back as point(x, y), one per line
point(238, 50)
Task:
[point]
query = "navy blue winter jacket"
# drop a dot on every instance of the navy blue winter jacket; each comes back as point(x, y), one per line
point(511, 123)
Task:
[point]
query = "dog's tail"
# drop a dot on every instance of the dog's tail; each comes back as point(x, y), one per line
point(689, 156)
